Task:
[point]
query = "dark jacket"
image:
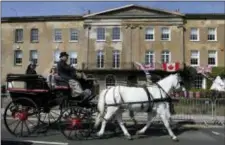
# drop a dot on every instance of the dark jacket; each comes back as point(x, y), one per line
point(65, 71)
point(30, 84)
point(30, 70)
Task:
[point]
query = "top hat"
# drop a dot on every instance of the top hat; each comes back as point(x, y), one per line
point(63, 54)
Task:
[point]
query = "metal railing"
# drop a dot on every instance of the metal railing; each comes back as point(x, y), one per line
point(199, 110)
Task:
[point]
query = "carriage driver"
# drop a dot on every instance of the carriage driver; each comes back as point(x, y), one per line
point(68, 73)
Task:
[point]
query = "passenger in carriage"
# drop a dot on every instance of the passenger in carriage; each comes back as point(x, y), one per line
point(52, 77)
point(31, 70)
point(68, 73)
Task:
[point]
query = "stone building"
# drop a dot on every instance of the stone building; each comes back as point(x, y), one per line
point(106, 44)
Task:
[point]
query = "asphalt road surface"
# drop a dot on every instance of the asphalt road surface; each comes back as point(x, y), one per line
point(156, 135)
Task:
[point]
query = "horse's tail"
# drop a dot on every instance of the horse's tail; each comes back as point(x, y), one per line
point(101, 107)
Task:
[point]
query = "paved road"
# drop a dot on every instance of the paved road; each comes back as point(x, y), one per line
point(154, 136)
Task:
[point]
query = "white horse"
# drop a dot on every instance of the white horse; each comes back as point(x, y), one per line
point(218, 85)
point(116, 99)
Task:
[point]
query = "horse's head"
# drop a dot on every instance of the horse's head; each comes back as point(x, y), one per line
point(218, 84)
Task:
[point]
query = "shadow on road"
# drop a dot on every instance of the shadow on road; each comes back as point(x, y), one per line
point(3, 142)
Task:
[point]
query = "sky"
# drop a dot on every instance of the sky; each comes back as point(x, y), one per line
point(41, 8)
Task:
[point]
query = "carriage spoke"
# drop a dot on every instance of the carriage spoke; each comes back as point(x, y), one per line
point(12, 122)
point(21, 130)
point(30, 122)
point(52, 117)
point(16, 126)
point(27, 127)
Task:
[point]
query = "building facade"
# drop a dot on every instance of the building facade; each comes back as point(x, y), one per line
point(105, 45)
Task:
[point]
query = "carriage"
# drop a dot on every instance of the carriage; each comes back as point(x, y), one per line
point(75, 115)
point(36, 104)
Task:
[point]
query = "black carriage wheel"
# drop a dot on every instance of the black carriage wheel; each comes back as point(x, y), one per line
point(50, 117)
point(24, 118)
point(76, 123)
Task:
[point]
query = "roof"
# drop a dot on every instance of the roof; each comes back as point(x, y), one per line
point(132, 6)
point(42, 18)
point(205, 16)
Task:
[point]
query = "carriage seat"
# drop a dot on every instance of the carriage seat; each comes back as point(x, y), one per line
point(60, 84)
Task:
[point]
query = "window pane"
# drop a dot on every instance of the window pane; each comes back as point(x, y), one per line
point(165, 58)
point(73, 57)
point(18, 35)
point(18, 57)
point(34, 35)
point(149, 57)
point(165, 34)
point(198, 82)
point(116, 59)
point(116, 33)
point(57, 34)
point(100, 34)
point(149, 34)
point(100, 59)
point(73, 34)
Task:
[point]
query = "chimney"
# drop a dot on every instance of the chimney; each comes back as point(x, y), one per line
point(177, 10)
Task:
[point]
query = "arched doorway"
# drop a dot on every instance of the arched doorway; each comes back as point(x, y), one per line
point(110, 80)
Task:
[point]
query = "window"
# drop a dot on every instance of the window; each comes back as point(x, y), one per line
point(100, 33)
point(165, 56)
point(212, 57)
point(19, 35)
point(165, 33)
point(194, 58)
point(110, 80)
point(34, 35)
point(18, 57)
point(194, 36)
point(73, 34)
point(149, 57)
point(212, 34)
point(34, 56)
point(56, 56)
point(57, 35)
point(73, 58)
point(149, 34)
point(116, 33)
point(116, 59)
point(100, 59)
point(198, 82)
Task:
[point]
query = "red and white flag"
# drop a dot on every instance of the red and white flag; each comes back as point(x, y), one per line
point(171, 67)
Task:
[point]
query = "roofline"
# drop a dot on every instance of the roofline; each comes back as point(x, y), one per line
point(42, 18)
point(109, 10)
point(205, 16)
point(127, 6)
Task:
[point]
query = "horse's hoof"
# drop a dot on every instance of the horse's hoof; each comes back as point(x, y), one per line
point(139, 133)
point(129, 137)
point(99, 134)
point(175, 139)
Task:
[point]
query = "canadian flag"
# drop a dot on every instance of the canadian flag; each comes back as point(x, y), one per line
point(171, 67)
